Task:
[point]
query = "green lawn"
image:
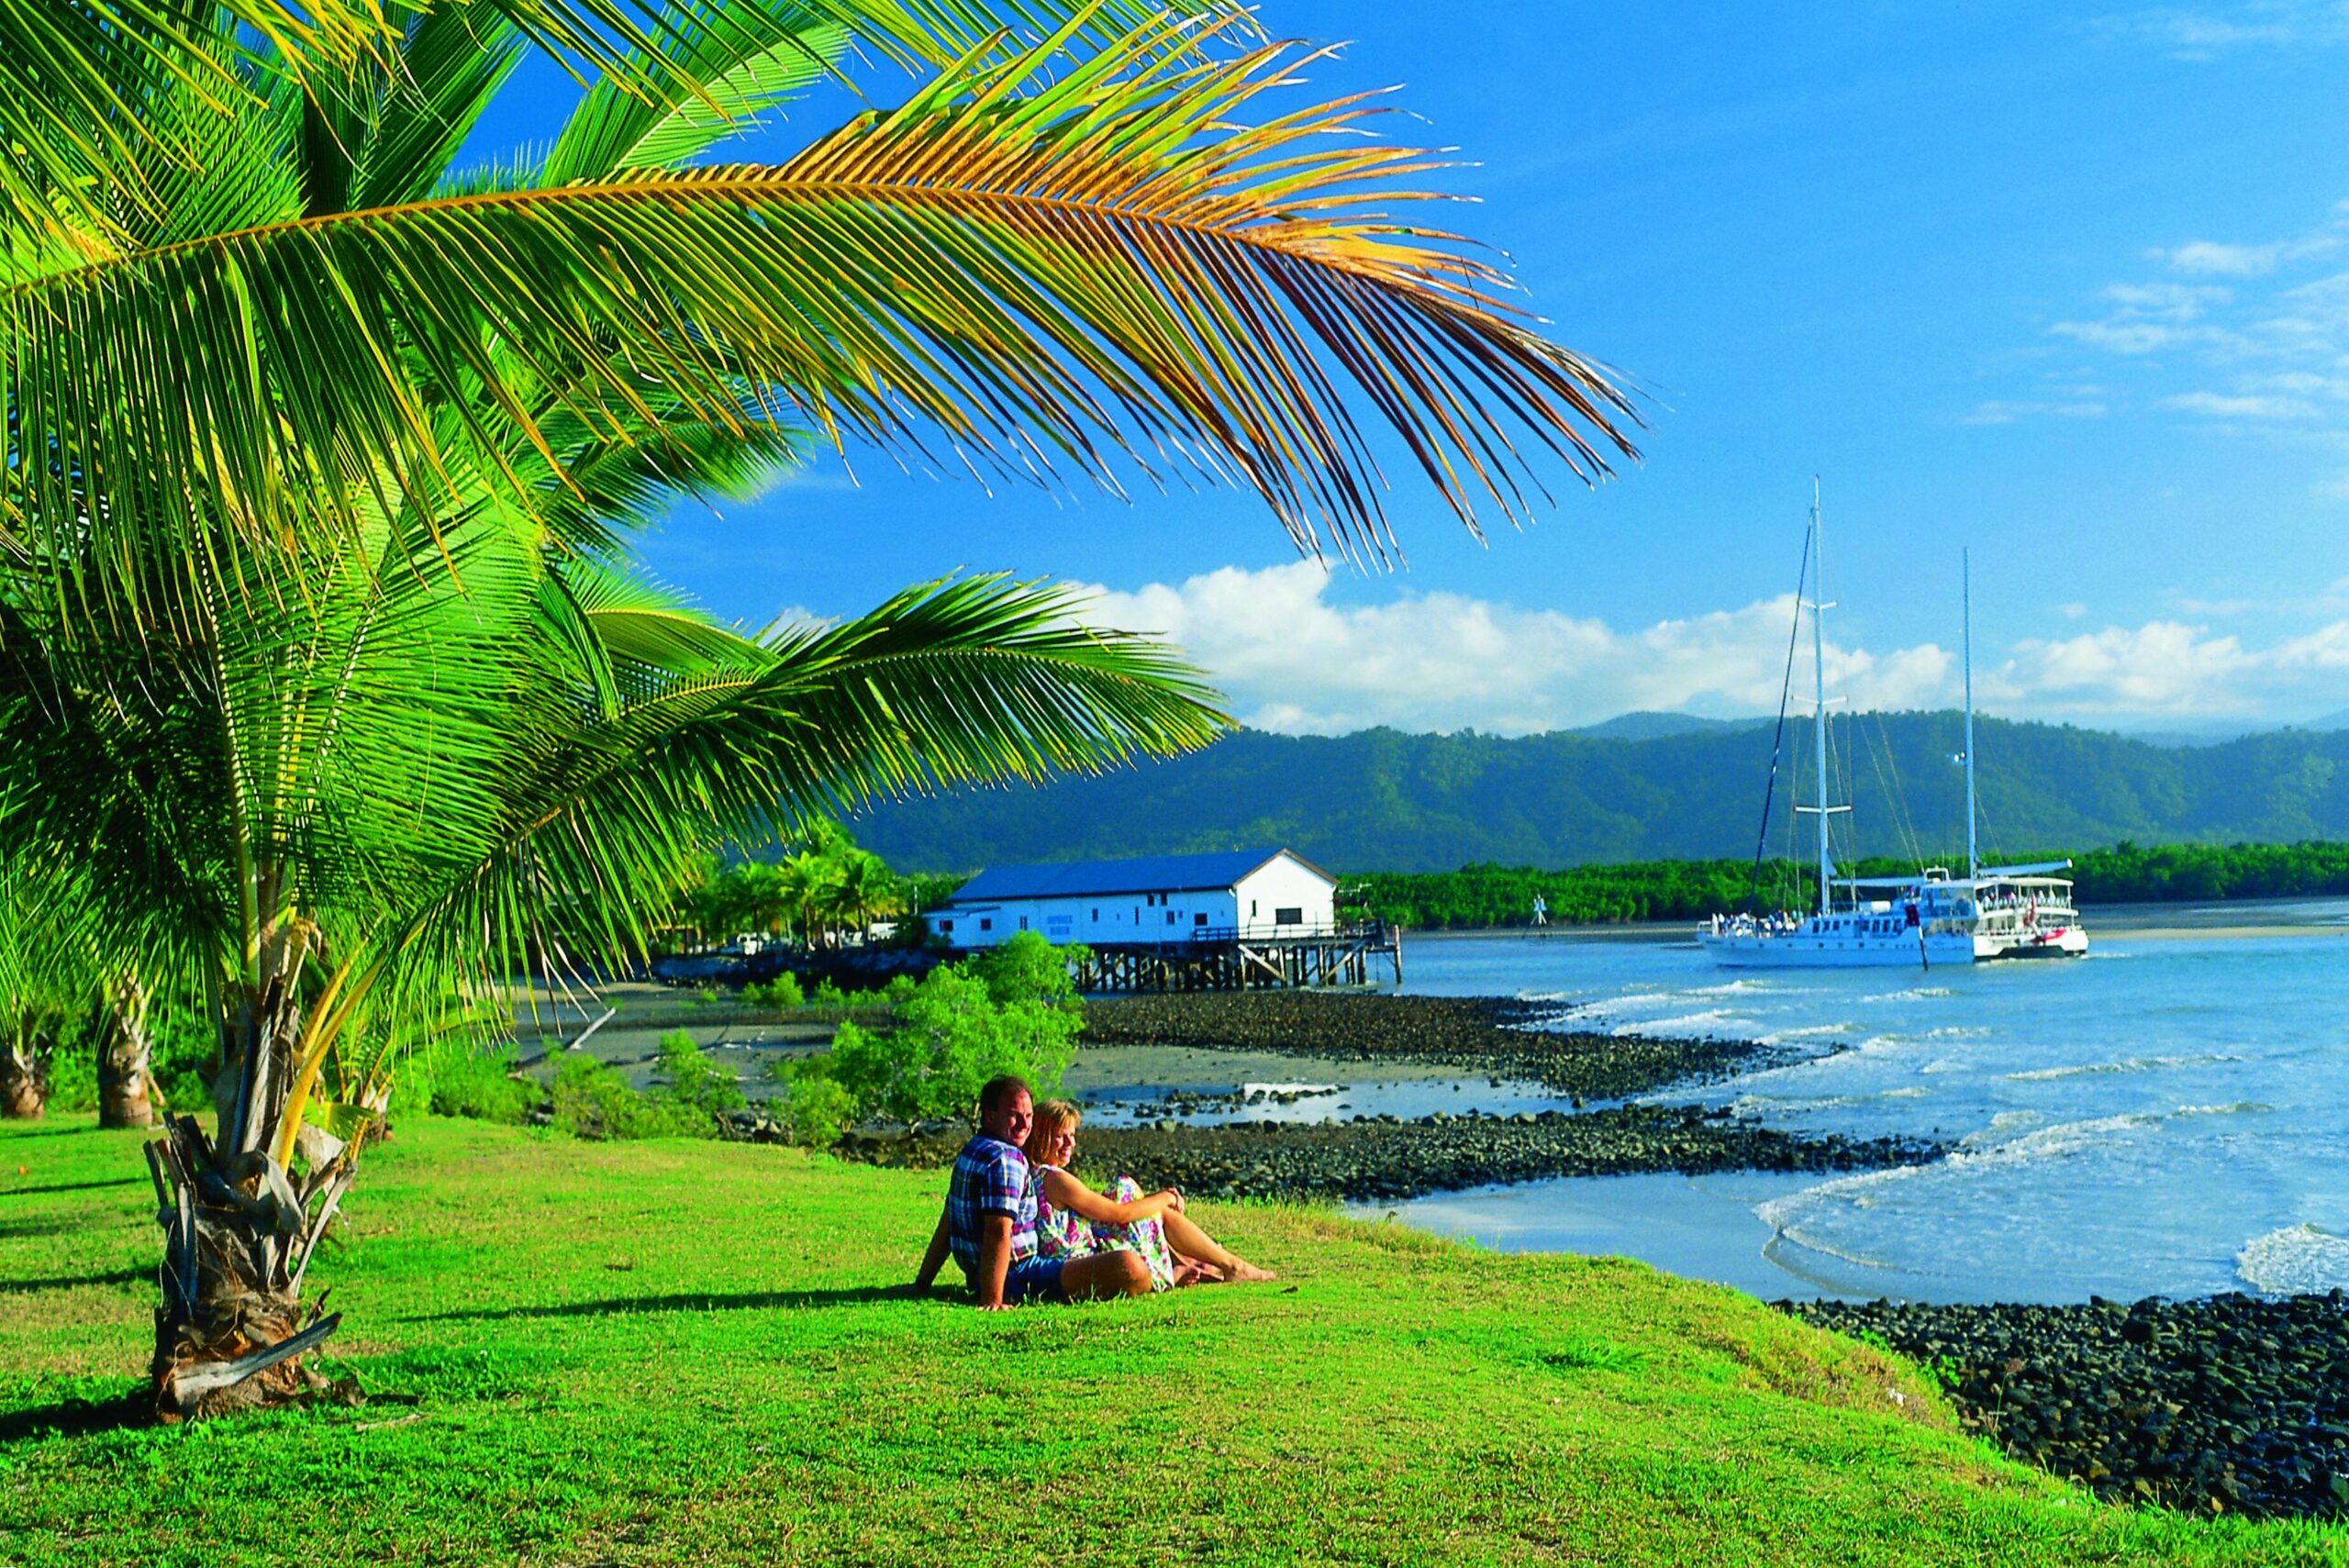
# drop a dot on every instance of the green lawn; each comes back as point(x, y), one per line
point(687, 1352)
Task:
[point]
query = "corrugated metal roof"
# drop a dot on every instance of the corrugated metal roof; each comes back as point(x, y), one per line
point(1151, 873)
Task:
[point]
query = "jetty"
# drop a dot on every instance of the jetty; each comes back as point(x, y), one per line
point(1369, 953)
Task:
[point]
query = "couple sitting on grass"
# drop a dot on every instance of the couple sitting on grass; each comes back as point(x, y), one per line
point(1023, 1229)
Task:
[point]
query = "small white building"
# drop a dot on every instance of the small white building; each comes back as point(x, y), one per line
point(1156, 901)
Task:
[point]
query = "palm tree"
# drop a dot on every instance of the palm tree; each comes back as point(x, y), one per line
point(350, 817)
point(317, 455)
point(868, 889)
point(47, 975)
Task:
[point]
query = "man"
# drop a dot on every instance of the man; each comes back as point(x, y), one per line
point(990, 1221)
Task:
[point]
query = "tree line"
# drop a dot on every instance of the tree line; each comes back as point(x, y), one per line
point(1486, 894)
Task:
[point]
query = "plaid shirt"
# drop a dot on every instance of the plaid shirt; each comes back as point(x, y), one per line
point(990, 1177)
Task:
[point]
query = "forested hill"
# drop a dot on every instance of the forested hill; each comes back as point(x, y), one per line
point(1382, 800)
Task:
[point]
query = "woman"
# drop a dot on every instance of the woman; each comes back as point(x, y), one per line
point(1074, 1221)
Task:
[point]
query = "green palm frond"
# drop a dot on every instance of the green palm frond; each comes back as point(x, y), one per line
point(1046, 259)
point(983, 680)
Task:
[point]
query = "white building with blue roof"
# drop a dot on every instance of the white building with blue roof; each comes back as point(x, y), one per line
point(1156, 901)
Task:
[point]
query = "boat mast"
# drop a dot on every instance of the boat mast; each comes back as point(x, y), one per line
point(1973, 856)
point(1818, 675)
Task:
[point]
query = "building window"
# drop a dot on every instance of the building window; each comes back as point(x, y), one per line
point(1096, 914)
point(1288, 916)
point(1252, 908)
point(1023, 922)
point(1169, 917)
point(986, 924)
point(1199, 920)
point(946, 928)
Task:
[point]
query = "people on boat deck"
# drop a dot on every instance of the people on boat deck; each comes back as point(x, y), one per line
point(992, 1225)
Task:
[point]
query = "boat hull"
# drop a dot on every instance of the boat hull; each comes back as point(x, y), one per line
point(2070, 941)
point(1805, 950)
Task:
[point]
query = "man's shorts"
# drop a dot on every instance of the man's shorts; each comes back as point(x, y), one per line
point(1033, 1279)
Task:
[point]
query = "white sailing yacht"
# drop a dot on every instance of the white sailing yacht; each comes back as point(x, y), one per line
point(1992, 912)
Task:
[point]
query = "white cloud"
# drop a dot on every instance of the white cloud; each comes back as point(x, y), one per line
point(2210, 32)
point(2001, 412)
point(2209, 259)
point(1290, 659)
point(2218, 405)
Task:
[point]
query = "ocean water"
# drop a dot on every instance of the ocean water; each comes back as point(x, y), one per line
point(2168, 1116)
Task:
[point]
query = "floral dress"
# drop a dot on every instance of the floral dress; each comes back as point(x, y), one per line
point(1063, 1233)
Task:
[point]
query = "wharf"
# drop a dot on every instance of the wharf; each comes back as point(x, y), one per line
point(1370, 953)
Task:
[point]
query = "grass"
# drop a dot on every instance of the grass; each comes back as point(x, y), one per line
point(682, 1351)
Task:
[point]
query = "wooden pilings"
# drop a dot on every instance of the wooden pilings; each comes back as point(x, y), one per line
point(1363, 957)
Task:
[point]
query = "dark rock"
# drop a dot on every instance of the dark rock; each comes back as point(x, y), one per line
point(1496, 1037)
point(2229, 1405)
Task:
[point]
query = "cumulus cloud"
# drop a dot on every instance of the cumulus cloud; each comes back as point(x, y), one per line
point(1293, 661)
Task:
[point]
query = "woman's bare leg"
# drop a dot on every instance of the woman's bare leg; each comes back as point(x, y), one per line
point(1191, 1241)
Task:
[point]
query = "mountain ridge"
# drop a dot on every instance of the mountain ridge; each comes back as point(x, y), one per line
point(1386, 800)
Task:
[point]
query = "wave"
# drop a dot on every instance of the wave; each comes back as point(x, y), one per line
point(2044, 1143)
point(1914, 994)
point(2240, 1107)
point(2127, 1065)
point(2299, 1259)
point(1711, 1018)
point(1807, 1031)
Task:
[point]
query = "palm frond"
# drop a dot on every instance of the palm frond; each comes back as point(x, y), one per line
point(983, 682)
point(1047, 268)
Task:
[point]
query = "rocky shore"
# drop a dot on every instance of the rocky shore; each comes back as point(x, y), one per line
point(1490, 1036)
point(2229, 1405)
point(1374, 1158)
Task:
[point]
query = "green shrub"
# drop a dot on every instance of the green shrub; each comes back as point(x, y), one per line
point(950, 1036)
point(467, 1080)
point(828, 995)
point(814, 1105)
point(783, 991)
point(73, 1075)
point(1029, 969)
point(593, 1101)
point(692, 1081)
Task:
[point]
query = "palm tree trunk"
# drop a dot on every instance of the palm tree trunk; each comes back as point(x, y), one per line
point(24, 1082)
point(126, 1056)
point(239, 1229)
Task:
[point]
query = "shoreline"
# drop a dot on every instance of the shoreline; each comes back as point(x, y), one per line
point(2221, 920)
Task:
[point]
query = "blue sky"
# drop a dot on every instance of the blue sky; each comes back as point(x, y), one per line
point(2069, 287)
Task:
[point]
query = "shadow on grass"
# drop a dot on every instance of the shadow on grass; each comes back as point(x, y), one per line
point(72, 1188)
point(67, 1282)
point(695, 1301)
point(78, 1417)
